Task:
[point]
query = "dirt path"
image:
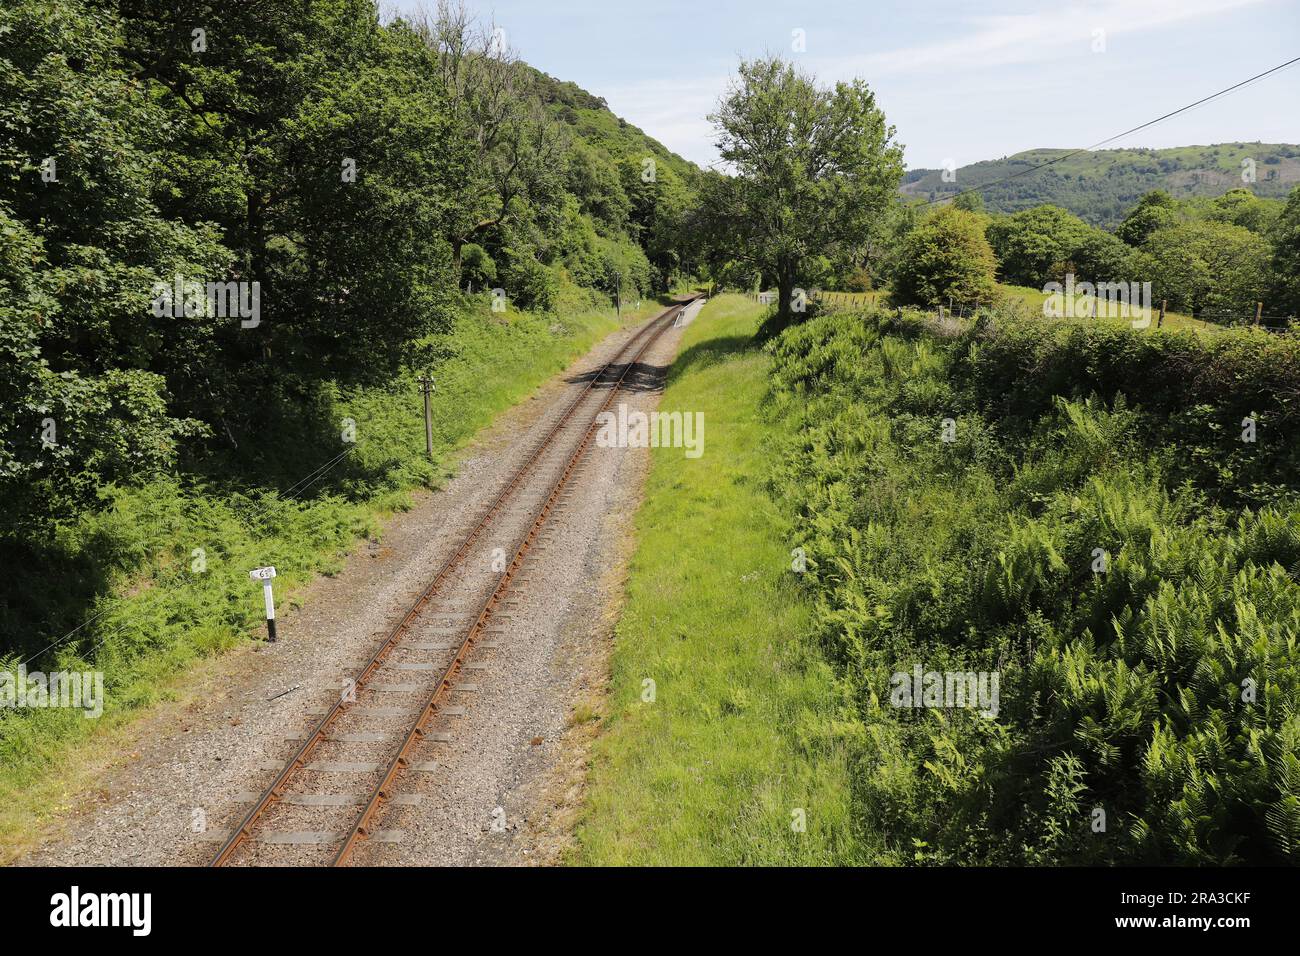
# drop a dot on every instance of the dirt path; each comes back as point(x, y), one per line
point(517, 754)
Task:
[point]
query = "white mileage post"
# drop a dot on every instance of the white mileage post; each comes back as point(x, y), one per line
point(265, 575)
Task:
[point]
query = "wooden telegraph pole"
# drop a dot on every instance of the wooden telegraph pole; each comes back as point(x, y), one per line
point(427, 388)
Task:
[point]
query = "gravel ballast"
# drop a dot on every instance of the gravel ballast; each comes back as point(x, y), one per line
point(508, 775)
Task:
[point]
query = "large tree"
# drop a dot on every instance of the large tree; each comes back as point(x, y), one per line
point(316, 141)
point(83, 361)
point(812, 170)
point(503, 151)
point(1156, 210)
point(1214, 270)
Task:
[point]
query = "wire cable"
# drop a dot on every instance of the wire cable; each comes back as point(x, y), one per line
point(1110, 139)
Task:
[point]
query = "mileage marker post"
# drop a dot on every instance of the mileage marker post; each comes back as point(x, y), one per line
point(265, 575)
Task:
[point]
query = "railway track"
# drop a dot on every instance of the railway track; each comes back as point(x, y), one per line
point(329, 797)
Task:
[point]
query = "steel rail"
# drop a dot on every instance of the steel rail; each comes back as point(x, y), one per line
point(272, 794)
point(380, 794)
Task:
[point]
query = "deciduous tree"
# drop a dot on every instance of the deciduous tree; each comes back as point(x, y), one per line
point(811, 171)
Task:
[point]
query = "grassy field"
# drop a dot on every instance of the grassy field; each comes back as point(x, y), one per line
point(1034, 299)
point(151, 612)
point(737, 745)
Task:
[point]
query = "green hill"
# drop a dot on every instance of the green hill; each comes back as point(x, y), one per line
point(590, 117)
point(629, 185)
point(1102, 185)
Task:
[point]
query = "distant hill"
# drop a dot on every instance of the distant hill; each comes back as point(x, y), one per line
point(1102, 185)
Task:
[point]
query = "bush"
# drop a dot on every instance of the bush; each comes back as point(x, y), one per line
point(1159, 690)
point(859, 280)
point(530, 284)
point(946, 256)
point(477, 267)
point(1196, 390)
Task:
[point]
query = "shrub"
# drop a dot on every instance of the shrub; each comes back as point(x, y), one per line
point(477, 267)
point(946, 256)
point(1159, 690)
point(530, 284)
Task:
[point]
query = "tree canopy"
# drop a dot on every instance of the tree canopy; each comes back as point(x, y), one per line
point(355, 174)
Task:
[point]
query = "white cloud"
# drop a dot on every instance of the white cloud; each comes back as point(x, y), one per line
point(1024, 38)
point(907, 79)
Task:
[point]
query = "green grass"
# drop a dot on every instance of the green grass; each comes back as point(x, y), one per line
point(850, 300)
point(740, 734)
point(1034, 299)
point(129, 569)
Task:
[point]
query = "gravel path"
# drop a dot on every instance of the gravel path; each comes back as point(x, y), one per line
point(509, 775)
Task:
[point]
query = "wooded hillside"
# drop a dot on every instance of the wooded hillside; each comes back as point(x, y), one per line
point(1099, 186)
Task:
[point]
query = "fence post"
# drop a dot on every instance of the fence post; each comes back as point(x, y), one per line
point(1259, 311)
point(1161, 321)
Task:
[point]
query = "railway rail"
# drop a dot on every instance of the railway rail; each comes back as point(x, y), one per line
point(549, 466)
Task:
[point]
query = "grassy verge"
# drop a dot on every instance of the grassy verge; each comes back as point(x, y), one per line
point(158, 578)
point(738, 741)
point(852, 300)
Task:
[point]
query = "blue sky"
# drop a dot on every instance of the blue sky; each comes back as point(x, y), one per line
point(959, 81)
